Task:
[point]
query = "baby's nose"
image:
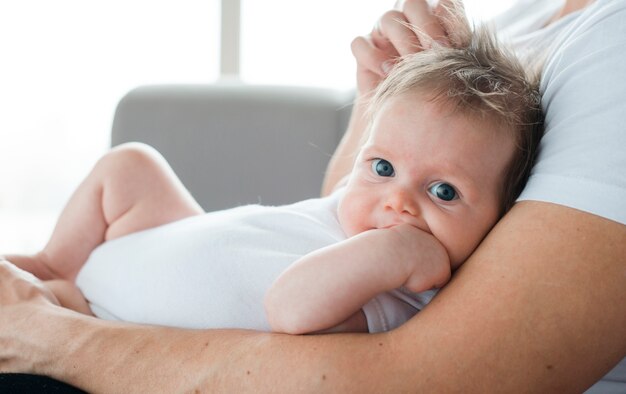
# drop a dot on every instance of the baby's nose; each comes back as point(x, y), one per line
point(402, 201)
point(405, 207)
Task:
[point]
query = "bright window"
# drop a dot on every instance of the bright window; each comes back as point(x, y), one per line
point(65, 65)
point(308, 42)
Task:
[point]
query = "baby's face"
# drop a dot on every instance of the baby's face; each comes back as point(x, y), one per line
point(426, 166)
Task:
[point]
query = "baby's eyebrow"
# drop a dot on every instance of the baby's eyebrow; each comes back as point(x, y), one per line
point(375, 150)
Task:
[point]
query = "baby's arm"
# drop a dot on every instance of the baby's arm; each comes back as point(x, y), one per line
point(68, 295)
point(329, 286)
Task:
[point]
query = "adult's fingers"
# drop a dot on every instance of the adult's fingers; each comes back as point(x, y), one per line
point(427, 24)
point(369, 56)
point(394, 27)
point(17, 285)
point(410, 27)
point(372, 64)
point(9, 271)
point(451, 15)
point(381, 42)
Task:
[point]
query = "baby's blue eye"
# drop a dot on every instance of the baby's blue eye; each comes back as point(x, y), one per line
point(382, 167)
point(443, 191)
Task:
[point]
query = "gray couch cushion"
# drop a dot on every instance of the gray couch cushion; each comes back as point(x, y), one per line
point(234, 144)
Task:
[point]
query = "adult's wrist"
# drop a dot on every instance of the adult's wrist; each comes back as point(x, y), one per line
point(55, 331)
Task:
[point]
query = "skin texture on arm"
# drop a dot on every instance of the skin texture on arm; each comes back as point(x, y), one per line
point(539, 307)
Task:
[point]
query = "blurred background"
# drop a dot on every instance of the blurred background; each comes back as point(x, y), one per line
point(65, 65)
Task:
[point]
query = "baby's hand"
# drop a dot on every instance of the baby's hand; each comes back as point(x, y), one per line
point(423, 259)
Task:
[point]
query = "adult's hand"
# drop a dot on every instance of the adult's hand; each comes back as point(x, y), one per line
point(21, 296)
point(410, 27)
point(18, 286)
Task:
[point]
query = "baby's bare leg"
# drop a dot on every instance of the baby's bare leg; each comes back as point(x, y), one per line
point(131, 188)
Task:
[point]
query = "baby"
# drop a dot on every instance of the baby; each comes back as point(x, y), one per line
point(452, 137)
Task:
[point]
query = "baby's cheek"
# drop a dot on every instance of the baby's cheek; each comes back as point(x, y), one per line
point(346, 219)
point(343, 215)
point(460, 248)
point(470, 233)
point(349, 218)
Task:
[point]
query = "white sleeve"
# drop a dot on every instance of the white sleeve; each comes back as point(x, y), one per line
point(582, 156)
point(390, 310)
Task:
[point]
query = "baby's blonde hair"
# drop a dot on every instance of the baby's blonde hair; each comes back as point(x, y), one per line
point(481, 79)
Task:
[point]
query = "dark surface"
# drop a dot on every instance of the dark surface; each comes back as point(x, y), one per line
point(16, 383)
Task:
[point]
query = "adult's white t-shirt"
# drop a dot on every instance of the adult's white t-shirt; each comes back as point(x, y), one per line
point(582, 157)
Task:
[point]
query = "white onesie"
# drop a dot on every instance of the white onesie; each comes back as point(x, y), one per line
point(213, 270)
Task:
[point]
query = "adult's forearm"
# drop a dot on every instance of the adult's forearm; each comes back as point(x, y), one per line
point(101, 356)
point(539, 307)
